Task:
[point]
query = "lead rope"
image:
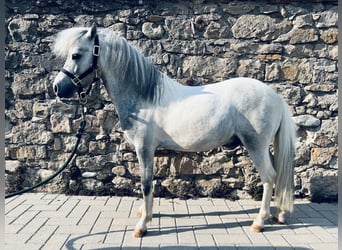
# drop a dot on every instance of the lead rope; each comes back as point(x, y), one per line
point(66, 163)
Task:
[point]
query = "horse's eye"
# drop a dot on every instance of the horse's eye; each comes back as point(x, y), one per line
point(75, 56)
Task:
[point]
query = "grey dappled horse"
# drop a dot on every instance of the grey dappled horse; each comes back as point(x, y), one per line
point(157, 112)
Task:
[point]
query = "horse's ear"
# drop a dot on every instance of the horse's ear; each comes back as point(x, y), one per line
point(92, 31)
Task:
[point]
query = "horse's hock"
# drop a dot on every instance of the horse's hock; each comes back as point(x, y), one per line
point(292, 47)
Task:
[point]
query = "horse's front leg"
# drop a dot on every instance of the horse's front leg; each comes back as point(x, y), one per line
point(145, 158)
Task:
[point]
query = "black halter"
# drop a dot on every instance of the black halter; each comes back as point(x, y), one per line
point(76, 79)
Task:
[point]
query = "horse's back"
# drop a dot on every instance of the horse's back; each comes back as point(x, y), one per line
point(242, 88)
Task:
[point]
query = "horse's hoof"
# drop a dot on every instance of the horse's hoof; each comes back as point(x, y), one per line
point(281, 218)
point(274, 219)
point(280, 221)
point(138, 233)
point(256, 228)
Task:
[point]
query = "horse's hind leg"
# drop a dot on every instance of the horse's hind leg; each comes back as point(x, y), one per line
point(264, 212)
point(267, 173)
point(146, 172)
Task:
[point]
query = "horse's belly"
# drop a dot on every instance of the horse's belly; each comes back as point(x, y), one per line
point(194, 134)
point(190, 146)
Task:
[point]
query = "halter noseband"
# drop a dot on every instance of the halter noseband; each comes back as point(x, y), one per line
point(76, 79)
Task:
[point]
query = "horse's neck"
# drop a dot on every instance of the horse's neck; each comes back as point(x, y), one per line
point(174, 91)
point(129, 105)
point(127, 101)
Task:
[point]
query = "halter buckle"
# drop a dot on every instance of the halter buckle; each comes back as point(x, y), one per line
point(82, 97)
point(76, 81)
point(96, 50)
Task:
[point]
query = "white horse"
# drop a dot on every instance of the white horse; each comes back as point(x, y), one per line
point(156, 111)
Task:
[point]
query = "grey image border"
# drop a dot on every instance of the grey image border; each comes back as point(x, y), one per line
point(2, 123)
point(340, 130)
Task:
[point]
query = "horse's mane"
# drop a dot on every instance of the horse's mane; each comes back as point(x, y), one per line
point(130, 67)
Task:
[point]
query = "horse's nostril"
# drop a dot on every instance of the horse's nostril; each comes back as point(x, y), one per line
point(55, 89)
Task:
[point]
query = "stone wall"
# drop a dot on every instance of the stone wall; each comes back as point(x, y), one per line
point(291, 47)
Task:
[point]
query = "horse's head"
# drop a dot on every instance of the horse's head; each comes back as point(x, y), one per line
point(81, 48)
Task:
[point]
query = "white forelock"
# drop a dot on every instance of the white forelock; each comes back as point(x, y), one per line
point(66, 39)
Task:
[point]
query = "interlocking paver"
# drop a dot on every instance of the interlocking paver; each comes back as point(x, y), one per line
point(33, 226)
point(48, 221)
point(17, 210)
point(186, 236)
point(322, 234)
point(43, 234)
point(301, 239)
point(56, 241)
point(224, 239)
point(115, 237)
point(205, 240)
point(323, 246)
point(277, 240)
point(24, 218)
point(89, 218)
point(101, 225)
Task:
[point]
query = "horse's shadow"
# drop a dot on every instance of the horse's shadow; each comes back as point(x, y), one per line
point(271, 224)
point(244, 221)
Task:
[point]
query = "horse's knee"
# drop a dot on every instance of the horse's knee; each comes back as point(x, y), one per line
point(146, 188)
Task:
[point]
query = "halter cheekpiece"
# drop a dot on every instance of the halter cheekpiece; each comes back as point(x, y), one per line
point(76, 79)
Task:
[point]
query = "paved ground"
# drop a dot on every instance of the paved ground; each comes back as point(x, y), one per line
point(45, 221)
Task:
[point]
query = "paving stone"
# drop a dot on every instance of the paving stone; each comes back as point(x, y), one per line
point(89, 218)
point(81, 239)
point(124, 221)
point(301, 239)
point(107, 214)
point(129, 241)
point(12, 204)
point(195, 211)
point(205, 240)
point(55, 220)
point(277, 240)
point(17, 210)
point(223, 239)
point(154, 237)
point(68, 206)
point(186, 236)
point(257, 238)
point(12, 228)
point(12, 239)
point(167, 223)
point(330, 246)
point(43, 234)
point(56, 241)
point(322, 234)
point(190, 224)
point(102, 225)
point(33, 226)
point(115, 237)
point(24, 218)
point(232, 226)
point(74, 229)
point(78, 211)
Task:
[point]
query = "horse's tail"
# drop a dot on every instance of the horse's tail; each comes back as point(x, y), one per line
point(284, 152)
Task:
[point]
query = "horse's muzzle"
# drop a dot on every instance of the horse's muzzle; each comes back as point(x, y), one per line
point(64, 88)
